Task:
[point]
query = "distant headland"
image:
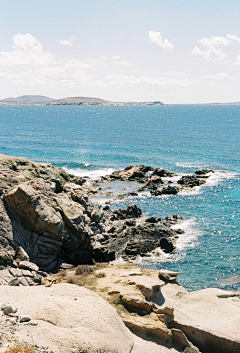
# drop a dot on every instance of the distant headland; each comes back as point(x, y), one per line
point(42, 100)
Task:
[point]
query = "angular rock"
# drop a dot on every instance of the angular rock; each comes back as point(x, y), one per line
point(21, 254)
point(169, 190)
point(26, 265)
point(136, 303)
point(6, 275)
point(167, 275)
point(149, 286)
point(163, 173)
point(16, 272)
point(190, 180)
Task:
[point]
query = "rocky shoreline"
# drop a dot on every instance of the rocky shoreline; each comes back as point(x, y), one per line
point(48, 219)
point(49, 224)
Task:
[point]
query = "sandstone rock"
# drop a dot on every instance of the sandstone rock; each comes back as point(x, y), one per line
point(136, 303)
point(168, 275)
point(66, 324)
point(156, 331)
point(149, 286)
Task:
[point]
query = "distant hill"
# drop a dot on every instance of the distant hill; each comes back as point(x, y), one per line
point(28, 99)
point(95, 101)
point(41, 100)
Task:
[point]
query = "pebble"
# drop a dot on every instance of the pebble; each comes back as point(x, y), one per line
point(24, 318)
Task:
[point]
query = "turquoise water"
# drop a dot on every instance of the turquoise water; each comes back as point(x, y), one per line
point(94, 141)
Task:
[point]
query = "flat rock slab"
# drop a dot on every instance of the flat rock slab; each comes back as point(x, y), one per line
point(70, 319)
point(148, 285)
point(215, 321)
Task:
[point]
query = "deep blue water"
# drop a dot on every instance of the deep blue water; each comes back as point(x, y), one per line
point(183, 138)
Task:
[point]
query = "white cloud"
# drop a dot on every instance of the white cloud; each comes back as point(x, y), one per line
point(26, 50)
point(220, 76)
point(28, 64)
point(212, 50)
point(159, 81)
point(68, 42)
point(114, 60)
point(156, 37)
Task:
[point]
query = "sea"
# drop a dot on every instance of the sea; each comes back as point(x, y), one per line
point(93, 141)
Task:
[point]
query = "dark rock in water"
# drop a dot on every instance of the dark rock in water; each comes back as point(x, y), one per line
point(163, 173)
point(169, 190)
point(153, 183)
point(166, 245)
point(190, 180)
point(123, 237)
point(153, 220)
point(202, 173)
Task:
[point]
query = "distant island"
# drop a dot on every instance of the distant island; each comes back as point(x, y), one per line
point(42, 100)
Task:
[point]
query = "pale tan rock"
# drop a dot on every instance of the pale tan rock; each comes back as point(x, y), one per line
point(136, 302)
point(156, 330)
point(149, 286)
point(69, 318)
point(168, 275)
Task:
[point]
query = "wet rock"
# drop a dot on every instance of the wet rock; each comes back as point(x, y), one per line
point(153, 220)
point(153, 183)
point(203, 172)
point(131, 173)
point(163, 173)
point(169, 190)
point(190, 180)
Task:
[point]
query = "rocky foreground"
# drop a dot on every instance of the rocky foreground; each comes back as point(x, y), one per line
point(48, 225)
point(126, 310)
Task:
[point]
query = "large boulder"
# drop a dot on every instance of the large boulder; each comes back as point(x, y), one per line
point(51, 227)
point(68, 319)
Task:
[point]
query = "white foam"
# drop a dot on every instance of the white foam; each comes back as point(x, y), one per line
point(185, 241)
point(91, 174)
point(191, 165)
point(212, 180)
point(217, 177)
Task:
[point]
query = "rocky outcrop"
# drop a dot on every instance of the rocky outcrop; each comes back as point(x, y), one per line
point(191, 181)
point(156, 180)
point(124, 234)
point(47, 221)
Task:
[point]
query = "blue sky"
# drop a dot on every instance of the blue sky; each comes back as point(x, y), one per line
point(175, 51)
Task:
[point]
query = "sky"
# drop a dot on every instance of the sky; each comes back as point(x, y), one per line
point(174, 51)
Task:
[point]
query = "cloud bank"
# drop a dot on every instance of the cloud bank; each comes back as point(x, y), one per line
point(212, 48)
